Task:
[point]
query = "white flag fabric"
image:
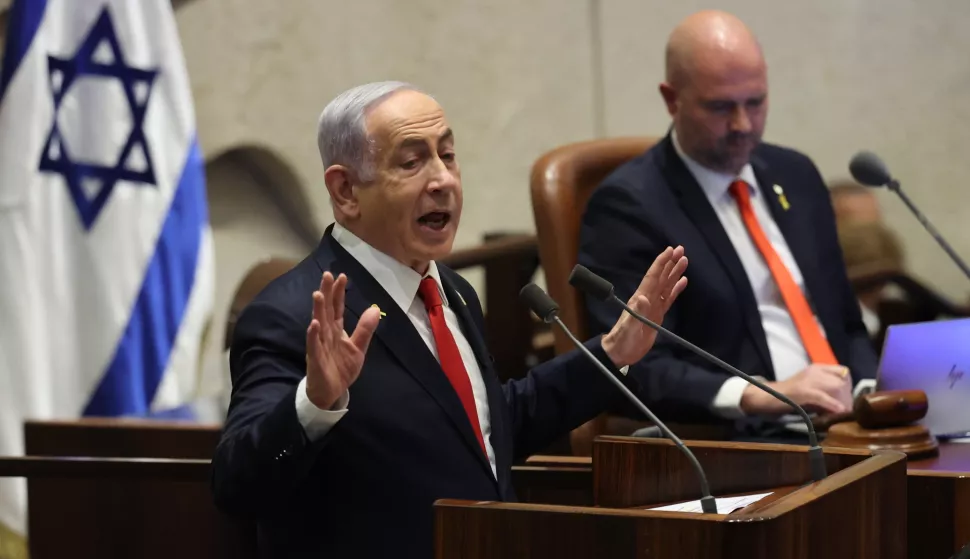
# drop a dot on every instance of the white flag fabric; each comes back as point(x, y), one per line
point(106, 278)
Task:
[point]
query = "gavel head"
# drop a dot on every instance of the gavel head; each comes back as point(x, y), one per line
point(890, 409)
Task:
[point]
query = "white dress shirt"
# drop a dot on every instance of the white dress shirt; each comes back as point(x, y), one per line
point(788, 354)
point(401, 283)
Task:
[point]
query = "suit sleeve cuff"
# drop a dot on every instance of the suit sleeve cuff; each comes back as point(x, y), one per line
point(315, 421)
point(727, 401)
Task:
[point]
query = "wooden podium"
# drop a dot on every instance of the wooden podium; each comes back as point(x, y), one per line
point(859, 510)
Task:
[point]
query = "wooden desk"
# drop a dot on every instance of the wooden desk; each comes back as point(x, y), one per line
point(150, 508)
point(938, 502)
point(954, 457)
point(938, 489)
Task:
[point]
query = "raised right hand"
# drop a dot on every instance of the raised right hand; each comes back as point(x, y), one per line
point(334, 359)
point(821, 388)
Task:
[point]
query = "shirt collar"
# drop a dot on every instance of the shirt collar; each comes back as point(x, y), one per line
point(715, 184)
point(400, 281)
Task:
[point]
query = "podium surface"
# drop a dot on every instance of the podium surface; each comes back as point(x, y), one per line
point(859, 510)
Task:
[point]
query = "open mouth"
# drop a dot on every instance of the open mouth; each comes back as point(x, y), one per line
point(435, 220)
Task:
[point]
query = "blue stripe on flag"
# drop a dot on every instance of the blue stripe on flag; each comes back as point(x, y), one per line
point(23, 19)
point(181, 413)
point(129, 385)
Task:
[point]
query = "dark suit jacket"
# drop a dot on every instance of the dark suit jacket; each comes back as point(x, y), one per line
point(654, 201)
point(366, 488)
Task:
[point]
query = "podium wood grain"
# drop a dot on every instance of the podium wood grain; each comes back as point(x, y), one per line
point(938, 492)
point(630, 472)
point(938, 497)
point(858, 511)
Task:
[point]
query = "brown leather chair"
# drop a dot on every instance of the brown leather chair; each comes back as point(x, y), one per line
point(258, 277)
point(562, 181)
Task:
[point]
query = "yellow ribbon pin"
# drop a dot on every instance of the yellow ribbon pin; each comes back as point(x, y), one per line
point(781, 198)
point(383, 314)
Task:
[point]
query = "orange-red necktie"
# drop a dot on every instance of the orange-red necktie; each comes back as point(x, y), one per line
point(818, 348)
point(448, 354)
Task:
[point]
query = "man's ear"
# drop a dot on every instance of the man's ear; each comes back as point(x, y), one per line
point(340, 183)
point(669, 95)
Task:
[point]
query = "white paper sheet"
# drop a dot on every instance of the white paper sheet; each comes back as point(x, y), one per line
point(725, 505)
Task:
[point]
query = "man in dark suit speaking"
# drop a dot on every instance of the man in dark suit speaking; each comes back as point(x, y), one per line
point(769, 292)
point(362, 387)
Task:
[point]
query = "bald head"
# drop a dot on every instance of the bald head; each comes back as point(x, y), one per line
point(707, 39)
point(716, 90)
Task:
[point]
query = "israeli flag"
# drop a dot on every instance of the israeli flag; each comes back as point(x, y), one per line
point(106, 269)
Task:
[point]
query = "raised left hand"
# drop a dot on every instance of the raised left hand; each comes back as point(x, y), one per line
point(629, 340)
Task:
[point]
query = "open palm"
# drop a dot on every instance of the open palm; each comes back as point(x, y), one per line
point(334, 359)
point(630, 340)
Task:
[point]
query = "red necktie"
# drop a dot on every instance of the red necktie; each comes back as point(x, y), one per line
point(815, 343)
point(448, 354)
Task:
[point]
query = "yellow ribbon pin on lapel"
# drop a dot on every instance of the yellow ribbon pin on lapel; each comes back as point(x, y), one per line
point(383, 314)
point(781, 198)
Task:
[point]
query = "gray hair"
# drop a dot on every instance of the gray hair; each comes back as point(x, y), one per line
point(342, 131)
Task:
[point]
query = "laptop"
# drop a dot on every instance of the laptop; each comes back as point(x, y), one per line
point(933, 357)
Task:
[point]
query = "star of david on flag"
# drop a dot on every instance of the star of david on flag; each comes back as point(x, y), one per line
point(90, 183)
point(106, 279)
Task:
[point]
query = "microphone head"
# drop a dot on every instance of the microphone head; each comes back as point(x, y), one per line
point(586, 281)
point(539, 302)
point(868, 169)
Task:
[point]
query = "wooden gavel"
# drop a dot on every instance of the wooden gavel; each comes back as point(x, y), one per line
point(880, 410)
point(890, 409)
point(883, 420)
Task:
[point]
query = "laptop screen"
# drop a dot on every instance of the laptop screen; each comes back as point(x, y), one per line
point(933, 357)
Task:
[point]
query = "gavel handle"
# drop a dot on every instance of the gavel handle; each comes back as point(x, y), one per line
point(823, 422)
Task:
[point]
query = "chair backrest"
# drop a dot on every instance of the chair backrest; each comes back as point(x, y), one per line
point(562, 182)
point(255, 280)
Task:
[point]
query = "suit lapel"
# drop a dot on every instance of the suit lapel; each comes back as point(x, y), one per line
point(397, 333)
point(695, 204)
point(496, 398)
point(788, 223)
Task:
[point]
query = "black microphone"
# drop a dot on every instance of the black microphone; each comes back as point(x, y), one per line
point(867, 168)
point(595, 286)
point(548, 311)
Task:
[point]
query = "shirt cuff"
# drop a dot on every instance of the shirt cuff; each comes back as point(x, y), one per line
point(727, 402)
point(864, 386)
point(315, 421)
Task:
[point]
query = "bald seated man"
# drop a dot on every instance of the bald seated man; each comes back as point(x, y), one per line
point(362, 387)
point(769, 292)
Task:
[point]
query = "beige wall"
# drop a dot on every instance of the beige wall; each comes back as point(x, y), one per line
point(242, 238)
point(514, 83)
